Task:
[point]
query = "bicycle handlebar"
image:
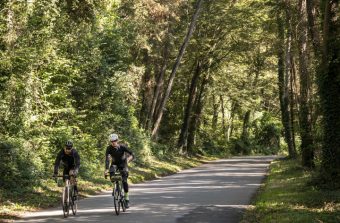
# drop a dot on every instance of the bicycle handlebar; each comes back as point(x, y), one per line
point(66, 176)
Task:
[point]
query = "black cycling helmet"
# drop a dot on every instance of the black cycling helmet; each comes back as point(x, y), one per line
point(69, 144)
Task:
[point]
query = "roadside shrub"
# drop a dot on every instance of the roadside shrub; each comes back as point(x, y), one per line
point(267, 135)
point(20, 166)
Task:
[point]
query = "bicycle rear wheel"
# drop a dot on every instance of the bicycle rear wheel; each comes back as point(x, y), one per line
point(116, 198)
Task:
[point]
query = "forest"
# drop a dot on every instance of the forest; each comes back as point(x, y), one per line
point(187, 78)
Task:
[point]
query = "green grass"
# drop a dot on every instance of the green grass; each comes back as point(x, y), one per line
point(14, 202)
point(288, 196)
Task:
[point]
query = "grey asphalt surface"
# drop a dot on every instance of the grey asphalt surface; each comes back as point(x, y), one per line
point(215, 192)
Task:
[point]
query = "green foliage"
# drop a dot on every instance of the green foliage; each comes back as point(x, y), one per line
point(241, 147)
point(267, 135)
point(213, 144)
point(20, 164)
point(78, 69)
point(65, 75)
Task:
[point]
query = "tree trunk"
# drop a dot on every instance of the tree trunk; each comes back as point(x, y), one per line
point(295, 86)
point(313, 28)
point(215, 113)
point(245, 127)
point(292, 99)
point(329, 87)
point(223, 114)
point(231, 120)
point(157, 92)
point(282, 82)
point(192, 95)
point(307, 150)
point(175, 67)
point(288, 76)
point(195, 119)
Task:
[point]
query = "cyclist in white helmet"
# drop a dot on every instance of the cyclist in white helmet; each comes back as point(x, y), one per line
point(120, 156)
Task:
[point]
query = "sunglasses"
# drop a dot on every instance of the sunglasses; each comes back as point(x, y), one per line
point(68, 148)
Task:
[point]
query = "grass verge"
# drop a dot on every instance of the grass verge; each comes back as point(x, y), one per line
point(288, 196)
point(15, 202)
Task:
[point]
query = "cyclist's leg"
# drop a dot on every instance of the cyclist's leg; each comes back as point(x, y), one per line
point(112, 170)
point(65, 171)
point(125, 174)
point(75, 180)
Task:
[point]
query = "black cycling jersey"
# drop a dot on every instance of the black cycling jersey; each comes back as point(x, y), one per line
point(118, 155)
point(71, 161)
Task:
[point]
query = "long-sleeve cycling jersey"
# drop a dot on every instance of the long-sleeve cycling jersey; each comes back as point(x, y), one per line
point(70, 161)
point(118, 155)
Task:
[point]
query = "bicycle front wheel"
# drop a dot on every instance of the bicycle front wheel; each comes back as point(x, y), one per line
point(74, 202)
point(65, 202)
point(122, 201)
point(116, 198)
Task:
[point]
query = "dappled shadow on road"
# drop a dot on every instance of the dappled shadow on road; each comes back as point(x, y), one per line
point(212, 192)
point(207, 214)
point(215, 181)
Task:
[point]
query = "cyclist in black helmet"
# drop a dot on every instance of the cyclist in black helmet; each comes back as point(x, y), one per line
point(70, 160)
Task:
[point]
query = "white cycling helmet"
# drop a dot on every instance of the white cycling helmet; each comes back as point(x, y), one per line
point(113, 137)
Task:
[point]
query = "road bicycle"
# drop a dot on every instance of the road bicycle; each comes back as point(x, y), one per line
point(117, 192)
point(69, 198)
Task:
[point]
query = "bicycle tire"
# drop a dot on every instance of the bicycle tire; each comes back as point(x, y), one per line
point(122, 201)
point(65, 202)
point(74, 202)
point(116, 198)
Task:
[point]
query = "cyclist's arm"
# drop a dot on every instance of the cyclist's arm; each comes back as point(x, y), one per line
point(77, 161)
point(107, 159)
point(57, 162)
point(128, 151)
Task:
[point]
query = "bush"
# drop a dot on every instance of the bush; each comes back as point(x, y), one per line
point(241, 147)
point(267, 135)
point(19, 165)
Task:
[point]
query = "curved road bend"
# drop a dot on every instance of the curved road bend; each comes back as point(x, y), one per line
point(216, 192)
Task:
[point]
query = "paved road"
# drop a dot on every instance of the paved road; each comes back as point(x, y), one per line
point(215, 192)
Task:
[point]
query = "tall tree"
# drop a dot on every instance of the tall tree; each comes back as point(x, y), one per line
point(329, 87)
point(305, 90)
point(192, 96)
point(175, 67)
point(197, 113)
point(283, 82)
